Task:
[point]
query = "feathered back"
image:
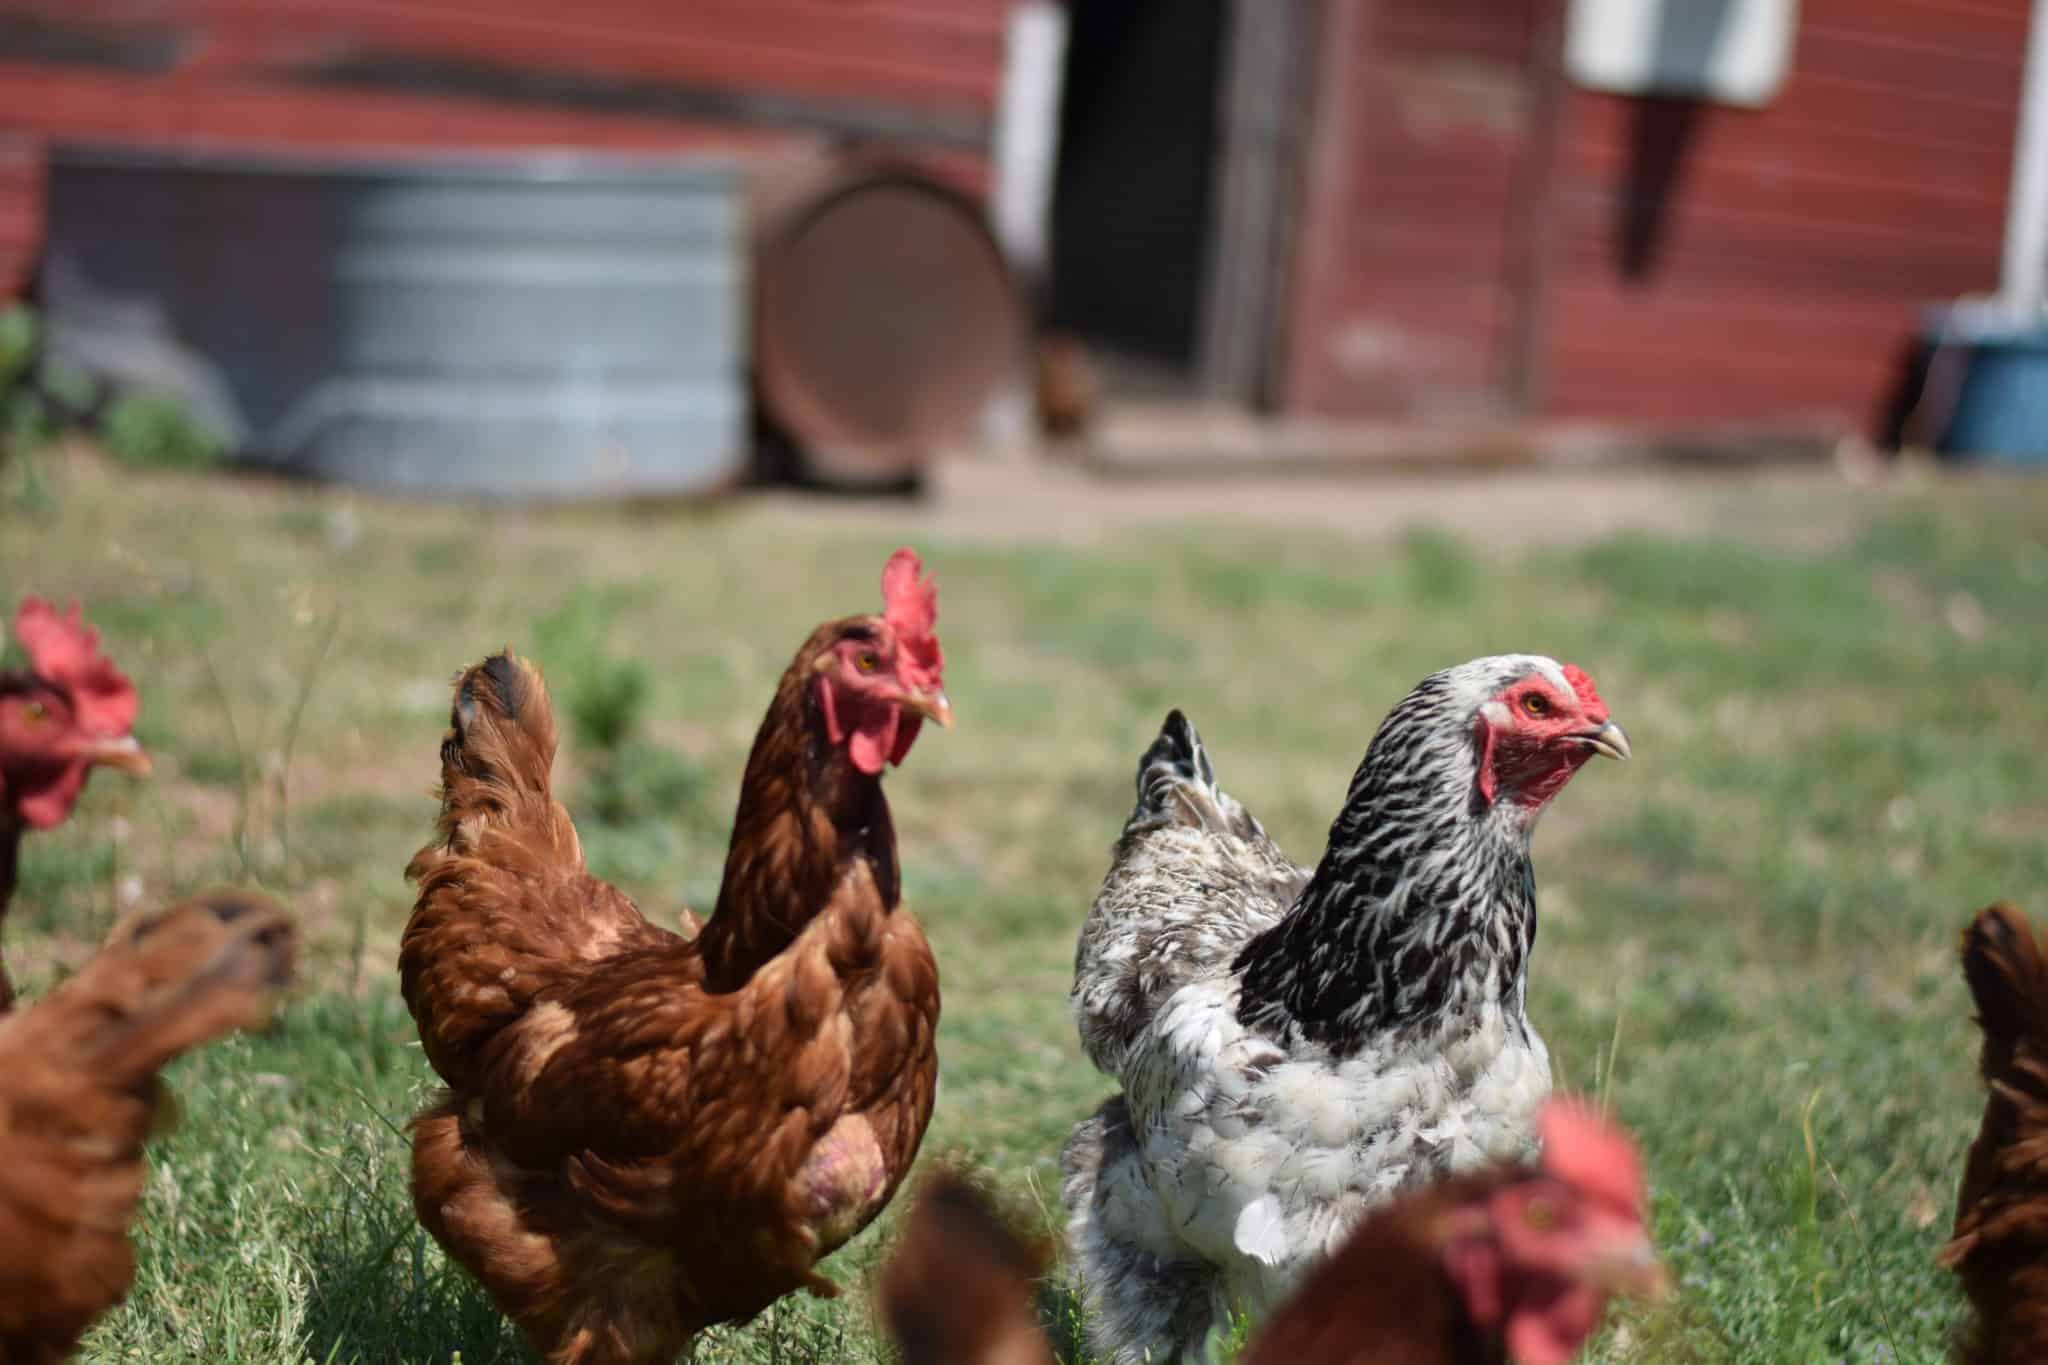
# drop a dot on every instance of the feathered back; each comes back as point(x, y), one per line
point(957, 1291)
point(78, 1097)
point(2000, 1245)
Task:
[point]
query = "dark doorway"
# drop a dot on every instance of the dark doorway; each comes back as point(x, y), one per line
point(1132, 199)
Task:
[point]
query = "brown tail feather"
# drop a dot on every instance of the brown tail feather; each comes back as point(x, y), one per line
point(167, 981)
point(2008, 979)
point(497, 762)
point(957, 1291)
point(78, 1099)
point(505, 903)
point(2002, 1205)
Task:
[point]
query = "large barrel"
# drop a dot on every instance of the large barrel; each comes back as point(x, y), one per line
point(546, 326)
point(885, 317)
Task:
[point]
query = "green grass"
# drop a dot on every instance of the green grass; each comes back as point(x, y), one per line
point(1747, 937)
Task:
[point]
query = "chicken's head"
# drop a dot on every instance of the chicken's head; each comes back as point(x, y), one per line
point(1538, 730)
point(69, 712)
point(879, 677)
point(1538, 1259)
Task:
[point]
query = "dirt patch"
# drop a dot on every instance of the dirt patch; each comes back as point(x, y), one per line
point(1020, 498)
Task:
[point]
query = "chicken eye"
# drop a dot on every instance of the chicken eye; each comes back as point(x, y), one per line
point(1540, 1215)
point(1536, 704)
point(866, 661)
point(35, 713)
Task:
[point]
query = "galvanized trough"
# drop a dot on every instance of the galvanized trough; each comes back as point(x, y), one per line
point(545, 326)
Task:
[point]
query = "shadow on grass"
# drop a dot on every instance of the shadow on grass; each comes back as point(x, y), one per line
point(380, 1290)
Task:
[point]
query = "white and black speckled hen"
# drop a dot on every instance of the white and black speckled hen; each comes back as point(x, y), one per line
point(1296, 1048)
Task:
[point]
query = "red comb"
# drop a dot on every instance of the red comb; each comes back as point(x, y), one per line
point(1589, 1152)
point(1582, 684)
point(64, 652)
point(910, 605)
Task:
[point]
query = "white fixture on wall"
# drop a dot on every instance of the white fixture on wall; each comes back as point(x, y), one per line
point(1027, 131)
point(2023, 282)
point(1732, 51)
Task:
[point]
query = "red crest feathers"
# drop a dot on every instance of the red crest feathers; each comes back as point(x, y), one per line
point(910, 605)
point(1589, 695)
point(64, 652)
point(1587, 1151)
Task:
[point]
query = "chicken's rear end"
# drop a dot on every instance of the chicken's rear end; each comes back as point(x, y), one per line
point(2000, 1246)
point(79, 1095)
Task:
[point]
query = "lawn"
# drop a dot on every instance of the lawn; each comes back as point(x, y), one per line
point(1836, 704)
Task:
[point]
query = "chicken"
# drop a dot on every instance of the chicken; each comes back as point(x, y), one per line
point(1068, 391)
point(1295, 1048)
point(2000, 1246)
point(68, 712)
point(957, 1289)
point(79, 1094)
point(645, 1135)
point(1507, 1263)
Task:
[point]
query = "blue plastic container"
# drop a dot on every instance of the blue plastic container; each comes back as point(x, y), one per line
point(2000, 408)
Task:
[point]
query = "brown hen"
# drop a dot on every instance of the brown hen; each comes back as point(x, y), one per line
point(2000, 1246)
point(957, 1289)
point(79, 1095)
point(645, 1135)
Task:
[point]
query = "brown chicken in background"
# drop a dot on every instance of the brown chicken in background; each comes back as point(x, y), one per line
point(957, 1289)
point(79, 1095)
point(643, 1134)
point(2000, 1246)
point(1511, 1264)
point(1068, 392)
point(1515, 1263)
point(68, 712)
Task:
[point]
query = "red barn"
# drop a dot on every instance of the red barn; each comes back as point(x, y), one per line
point(1378, 208)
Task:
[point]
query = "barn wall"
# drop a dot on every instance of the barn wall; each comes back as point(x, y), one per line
point(607, 74)
point(1706, 263)
point(1403, 300)
point(1478, 236)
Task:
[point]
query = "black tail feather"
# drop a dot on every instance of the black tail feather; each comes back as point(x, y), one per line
point(1177, 786)
point(1175, 759)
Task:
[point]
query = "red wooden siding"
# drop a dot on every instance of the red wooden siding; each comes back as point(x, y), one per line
point(1692, 262)
point(446, 74)
point(1401, 300)
point(1795, 245)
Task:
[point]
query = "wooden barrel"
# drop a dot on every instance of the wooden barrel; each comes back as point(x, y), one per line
point(885, 317)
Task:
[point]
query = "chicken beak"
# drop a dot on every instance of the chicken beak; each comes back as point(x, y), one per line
point(1631, 1269)
point(932, 705)
point(1609, 741)
point(122, 752)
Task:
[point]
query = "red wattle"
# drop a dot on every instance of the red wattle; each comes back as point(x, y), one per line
point(874, 738)
point(1487, 788)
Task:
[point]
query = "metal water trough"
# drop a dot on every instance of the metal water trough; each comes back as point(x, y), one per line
point(551, 326)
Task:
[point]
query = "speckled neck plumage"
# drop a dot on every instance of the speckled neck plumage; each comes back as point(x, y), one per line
point(1424, 905)
point(802, 813)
